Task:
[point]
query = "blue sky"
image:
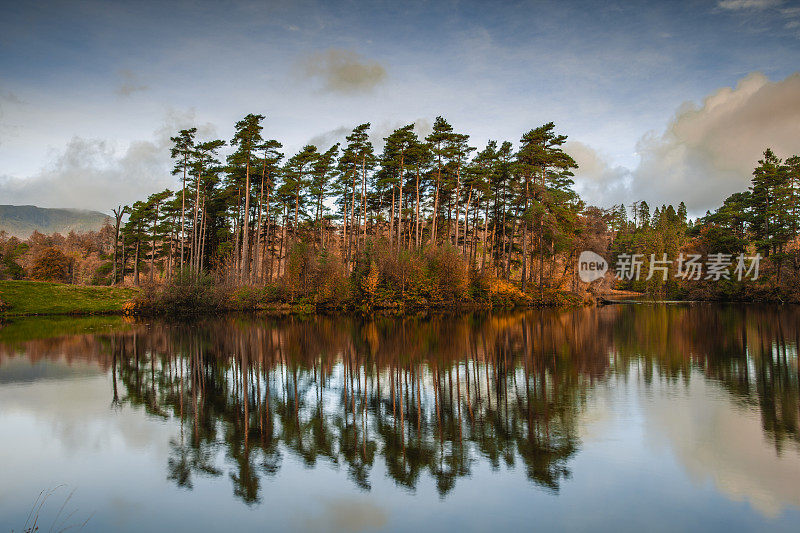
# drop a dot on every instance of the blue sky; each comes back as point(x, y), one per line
point(90, 92)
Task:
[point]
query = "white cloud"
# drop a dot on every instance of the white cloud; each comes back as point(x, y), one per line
point(98, 174)
point(93, 174)
point(708, 152)
point(774, 7)
point(736, 5)
point(705, 153)
point(377, 133)
point(597, 182)
point(718, 442)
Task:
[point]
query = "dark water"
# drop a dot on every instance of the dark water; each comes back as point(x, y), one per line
point(640, 417)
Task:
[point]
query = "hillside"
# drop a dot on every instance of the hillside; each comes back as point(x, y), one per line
point(22, 220)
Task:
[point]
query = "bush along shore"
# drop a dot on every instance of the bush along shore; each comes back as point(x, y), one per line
point(436, 278)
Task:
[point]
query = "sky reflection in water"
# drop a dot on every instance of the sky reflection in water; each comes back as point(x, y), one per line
point(657, 417)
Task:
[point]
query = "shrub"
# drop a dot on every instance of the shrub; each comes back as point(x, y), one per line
point(185, 294)
point(331, 285)
point(51, 265)
point(448, 273)
point(10, 269)
point(299, 267)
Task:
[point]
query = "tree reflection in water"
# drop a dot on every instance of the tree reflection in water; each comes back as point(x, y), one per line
point(420, 395)
point(430, 396)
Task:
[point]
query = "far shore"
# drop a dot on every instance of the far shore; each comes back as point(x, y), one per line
point(35, 298)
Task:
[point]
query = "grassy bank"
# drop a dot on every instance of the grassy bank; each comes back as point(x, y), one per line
point(188, 296)
point(42, 298)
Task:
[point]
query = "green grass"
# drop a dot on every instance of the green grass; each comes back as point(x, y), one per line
point(42, 298)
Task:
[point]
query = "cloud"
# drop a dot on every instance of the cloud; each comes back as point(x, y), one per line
point(737, 5)
point(719, 442)
point(343, 71)
point(98, 174)
point(708, 152)
point(325, 140)
point(9, 97)
point(705, 153)
point(92, 174)
point(377, 133)
point(790, 15)
point(129, 84)
point(597, 182)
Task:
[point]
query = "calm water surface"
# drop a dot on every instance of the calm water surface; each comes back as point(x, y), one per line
point(622, 418)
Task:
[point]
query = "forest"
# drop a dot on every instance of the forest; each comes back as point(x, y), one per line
point(427, 221)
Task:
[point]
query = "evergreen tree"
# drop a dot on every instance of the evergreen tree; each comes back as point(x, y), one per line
point(545, 169)
point(441, 146)
point(246, 139)
point(296, 179)
point(322, 172)
point(182, 151)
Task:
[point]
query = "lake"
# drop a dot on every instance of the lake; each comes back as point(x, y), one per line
point(626, 417)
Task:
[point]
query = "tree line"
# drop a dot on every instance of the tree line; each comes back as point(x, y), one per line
point(510, 213)
point(762, 220)
point(427, 219)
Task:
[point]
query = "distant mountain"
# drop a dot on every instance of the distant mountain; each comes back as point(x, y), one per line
point(22, 220)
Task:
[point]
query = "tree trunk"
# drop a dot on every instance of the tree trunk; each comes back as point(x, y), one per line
point(153, 247)
point(267, 246)
point(183, 205)
point(416, 209)
point(281, 262)
point(466, 220)
point(119, 212)
point(257, 251)
point(485, 228)
point(245, 264)
point(344, 226)
point(458, 199)
point(296, 212)
point(524, 277)
point(400, 206)
point(364, 196)
point(195, 233)
point(352, 218)
point(436, 202)
point(124, 258)
point(204, 233)
point(136, 264)
point(391, 221)
point(237, 232)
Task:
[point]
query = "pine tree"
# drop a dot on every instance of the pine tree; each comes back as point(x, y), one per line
point(440, 145)
point(394, 161)
point(247, 138)
point(205, 169)
point(296, 180)
point(545, 168)
point(322, 172)
point(182, 151)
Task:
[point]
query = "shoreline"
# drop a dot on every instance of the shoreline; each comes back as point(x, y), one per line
point(21, 299)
